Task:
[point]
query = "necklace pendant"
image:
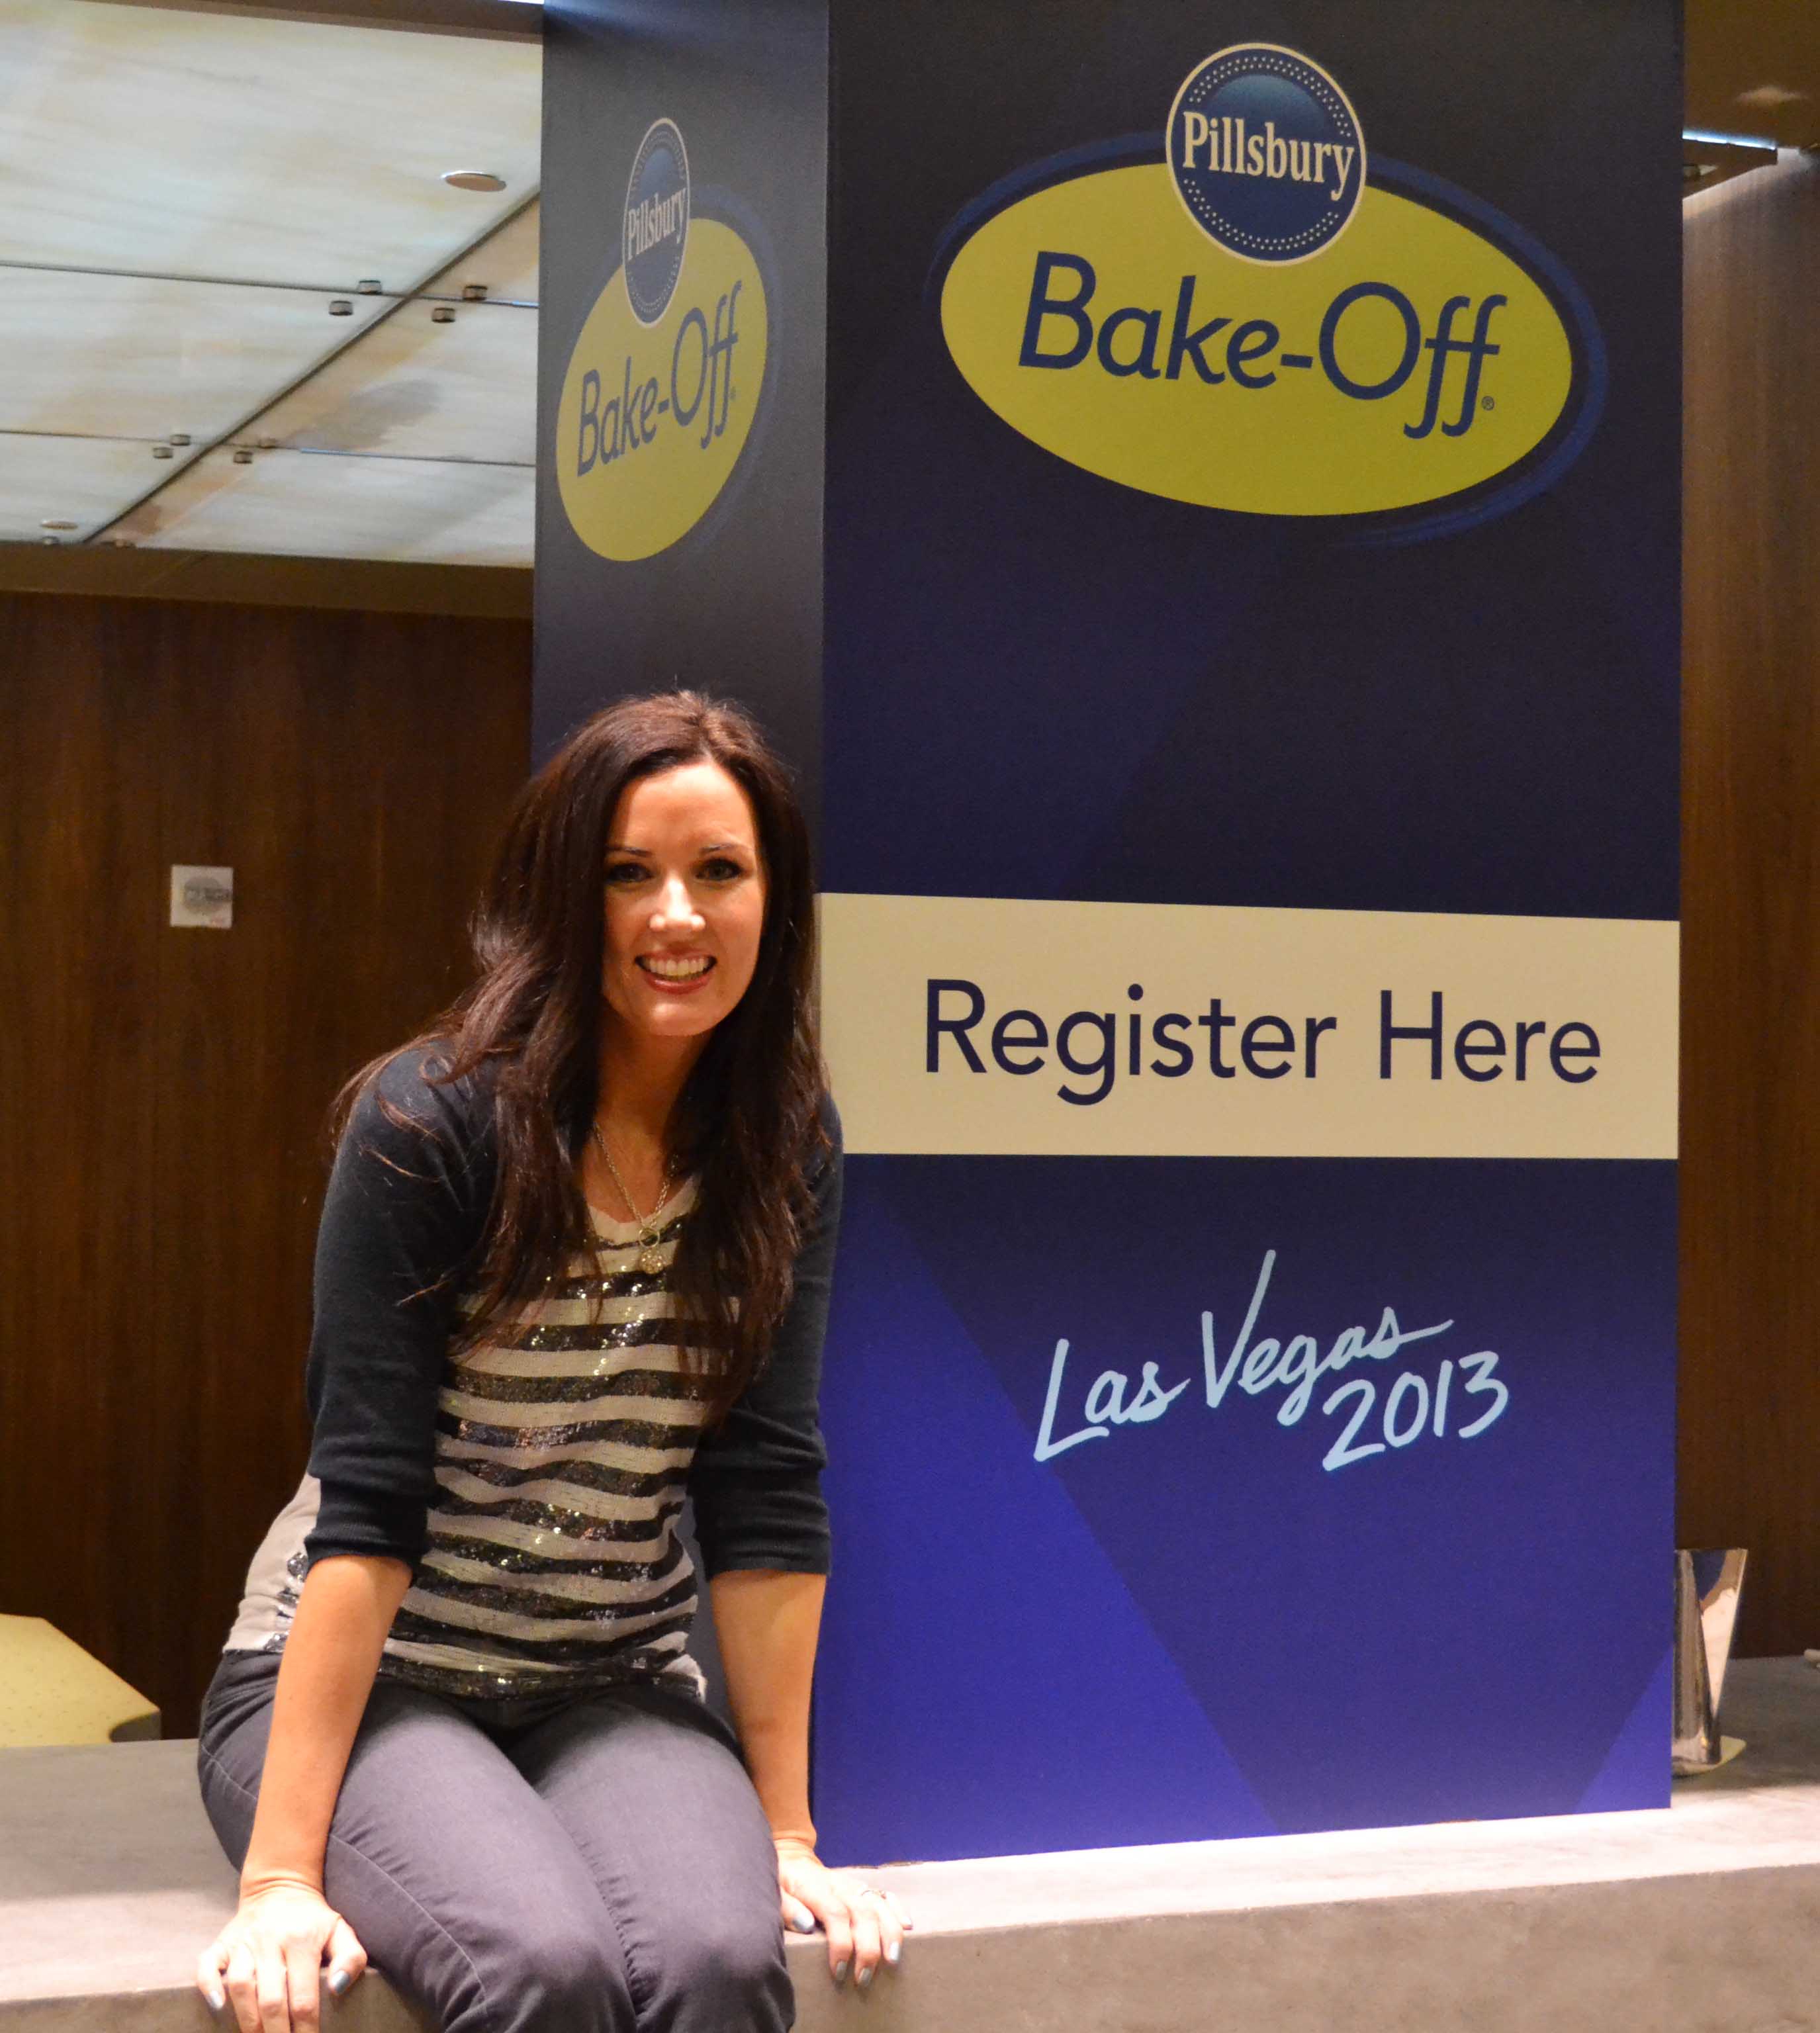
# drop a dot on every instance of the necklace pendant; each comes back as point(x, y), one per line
point(651, 1260)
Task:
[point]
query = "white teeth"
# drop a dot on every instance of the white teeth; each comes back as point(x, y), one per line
point(674, 970)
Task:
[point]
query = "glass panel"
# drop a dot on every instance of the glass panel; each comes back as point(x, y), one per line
point(156, 142)
point(318, 504)
point(118, 356)
point(413, 388)
point(505, 264)
point(84, 481)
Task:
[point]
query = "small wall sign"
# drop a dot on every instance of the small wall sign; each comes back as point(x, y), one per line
point(201, 897)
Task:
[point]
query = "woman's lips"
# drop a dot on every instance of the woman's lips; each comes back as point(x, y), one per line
point(675, 984)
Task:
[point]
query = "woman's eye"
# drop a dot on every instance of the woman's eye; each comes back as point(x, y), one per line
point(721, 870)
point(621, 873)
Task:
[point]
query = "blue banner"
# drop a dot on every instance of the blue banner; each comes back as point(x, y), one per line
point(1251, 716)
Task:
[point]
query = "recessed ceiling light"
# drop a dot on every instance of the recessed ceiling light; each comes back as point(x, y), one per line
point(475, 180)
point(1768, 97)
point(55, 523)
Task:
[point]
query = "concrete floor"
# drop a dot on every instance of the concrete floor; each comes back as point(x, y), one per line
point(1702, 1920)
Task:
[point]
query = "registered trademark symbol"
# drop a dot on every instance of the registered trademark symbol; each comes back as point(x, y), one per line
point(1485, 402)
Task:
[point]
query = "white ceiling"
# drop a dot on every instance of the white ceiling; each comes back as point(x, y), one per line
point(184, 197)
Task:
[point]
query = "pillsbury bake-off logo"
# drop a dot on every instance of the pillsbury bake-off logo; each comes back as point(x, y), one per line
point(667, 371)
point(657, 220)
point(1266, 153)
point(1245, 312)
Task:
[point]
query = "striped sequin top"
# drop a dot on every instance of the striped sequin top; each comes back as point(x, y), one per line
point(533, 1486)
point(563, 1447)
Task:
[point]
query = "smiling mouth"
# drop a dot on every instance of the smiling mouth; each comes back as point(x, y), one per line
point(663, 968)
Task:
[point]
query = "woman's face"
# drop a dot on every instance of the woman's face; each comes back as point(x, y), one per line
point(685, 891)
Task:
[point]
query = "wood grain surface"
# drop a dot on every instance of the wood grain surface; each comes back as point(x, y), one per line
point(164, 1092)
point(1749, 1434)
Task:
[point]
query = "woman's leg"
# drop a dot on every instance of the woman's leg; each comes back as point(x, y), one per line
point(649, 1787)
point(460, 1882)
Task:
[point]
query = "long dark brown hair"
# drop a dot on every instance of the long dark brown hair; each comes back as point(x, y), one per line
point(748, 1123)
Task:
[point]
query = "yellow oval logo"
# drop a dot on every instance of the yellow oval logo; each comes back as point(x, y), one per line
point(653, 418)
point(1414, 361)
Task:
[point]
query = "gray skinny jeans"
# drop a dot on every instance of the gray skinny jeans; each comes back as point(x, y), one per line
point(598, 1864)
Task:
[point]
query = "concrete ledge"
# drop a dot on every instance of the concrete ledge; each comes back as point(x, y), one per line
point(1703, 1919)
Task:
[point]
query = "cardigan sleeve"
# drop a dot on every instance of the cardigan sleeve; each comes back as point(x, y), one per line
point(402, 1225)
point(757, 1479)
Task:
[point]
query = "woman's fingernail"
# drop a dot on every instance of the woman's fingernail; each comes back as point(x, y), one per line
point(216, 1999)
point(803, 1921)
point(338, 1980)
point(840, 1972)
point(893, 1951)
point(865, 1977)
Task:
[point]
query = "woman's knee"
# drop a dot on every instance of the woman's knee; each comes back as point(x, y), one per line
point(724, 1971)
point(546, 1973)
point(568, 1977)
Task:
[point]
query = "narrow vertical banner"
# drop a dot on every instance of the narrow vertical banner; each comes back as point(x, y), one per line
point(681, 361)
point(1251, 701)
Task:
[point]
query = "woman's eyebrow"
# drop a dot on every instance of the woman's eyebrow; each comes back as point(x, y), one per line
point(713, 847)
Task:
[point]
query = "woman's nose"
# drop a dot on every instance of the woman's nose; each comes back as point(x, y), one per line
point(674, 908)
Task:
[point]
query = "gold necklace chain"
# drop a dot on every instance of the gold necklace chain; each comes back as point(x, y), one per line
point(650, 1262)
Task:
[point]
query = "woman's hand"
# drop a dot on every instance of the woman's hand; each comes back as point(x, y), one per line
point(271, 1955)
point(863, 1922)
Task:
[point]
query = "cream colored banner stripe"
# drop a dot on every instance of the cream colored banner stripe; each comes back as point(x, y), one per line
point(1574, 1036)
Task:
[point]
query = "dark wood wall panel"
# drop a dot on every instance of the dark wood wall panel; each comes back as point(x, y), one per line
point(1749, 1448)
point(164, 1093)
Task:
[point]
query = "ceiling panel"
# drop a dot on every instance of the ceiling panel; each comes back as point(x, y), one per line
point(413, 389)
point(504, 264)
point(84, 481)
point(119, 356)
point(321, 504)
point(155, 140)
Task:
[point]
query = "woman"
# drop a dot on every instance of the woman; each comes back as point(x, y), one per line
point(573, 1262)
